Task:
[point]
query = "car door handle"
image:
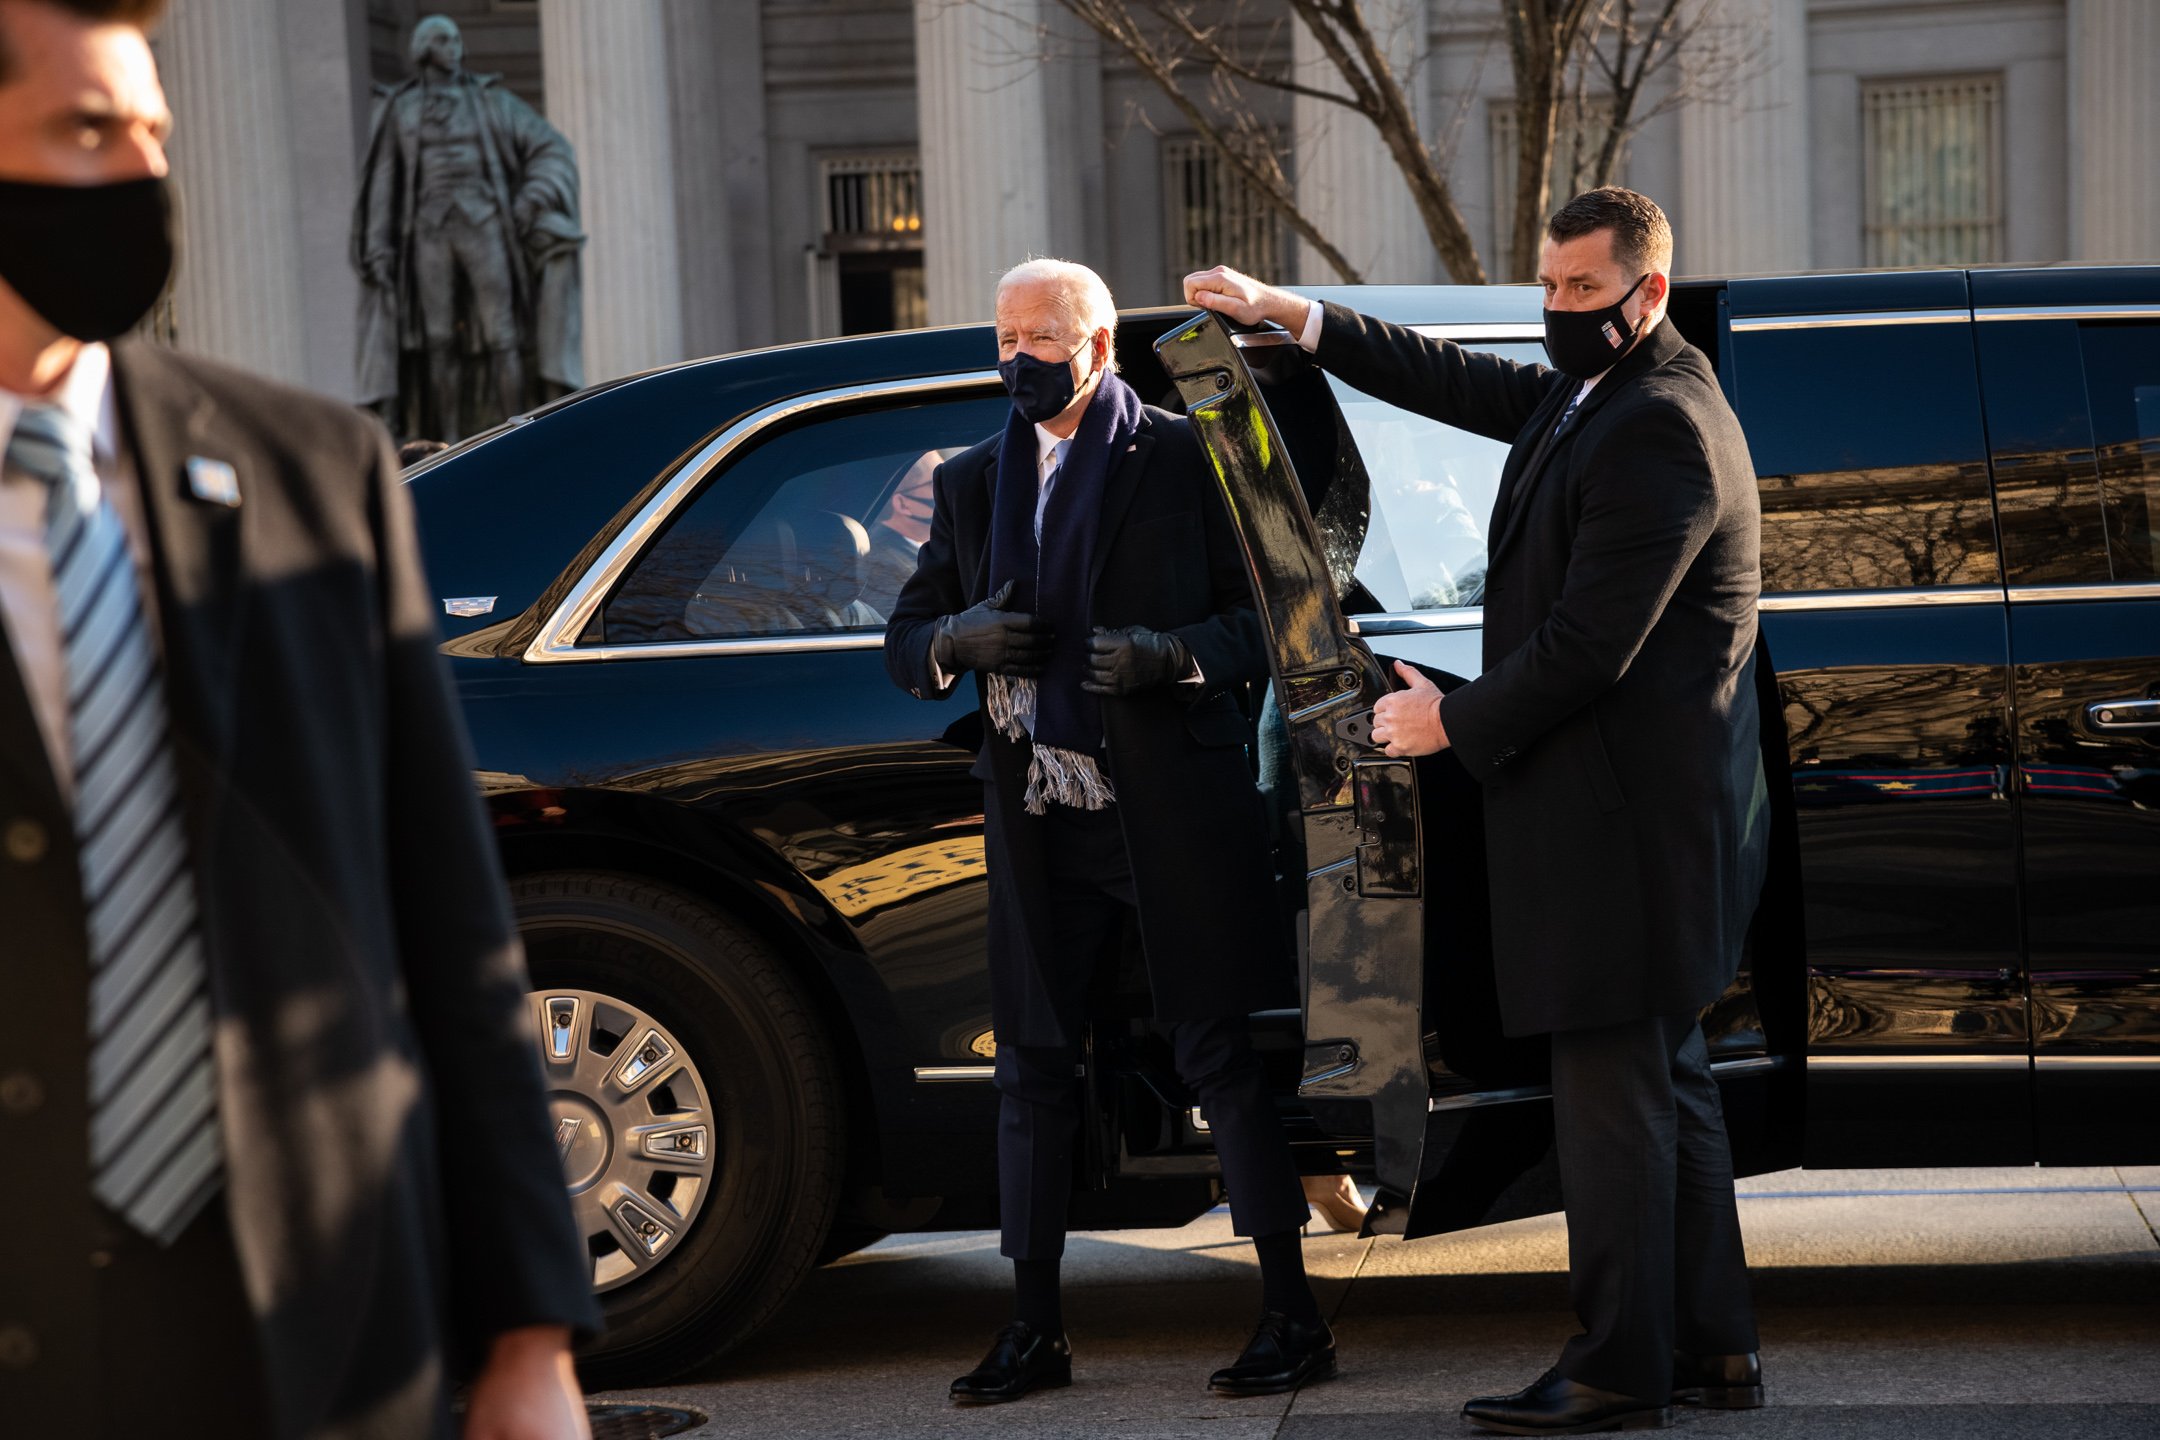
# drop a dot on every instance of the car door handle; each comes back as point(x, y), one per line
point(2124, 714)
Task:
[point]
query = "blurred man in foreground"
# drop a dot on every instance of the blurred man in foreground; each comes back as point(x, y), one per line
point(291, 1166)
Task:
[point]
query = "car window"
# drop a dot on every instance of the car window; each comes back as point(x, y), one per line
point(1433, 488)
point(812, 532)
point(2122, 381)
point(1870, 454)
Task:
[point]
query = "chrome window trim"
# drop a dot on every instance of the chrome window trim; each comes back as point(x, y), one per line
point(953, 1074)
point(2097, 1062)
point(1850, 319)
point(2126, 590)
point(1418, 622)
point(557, 641)
point(2069, 312)
point(1920, 1062)
point(1496, 331)
point(1789, 600)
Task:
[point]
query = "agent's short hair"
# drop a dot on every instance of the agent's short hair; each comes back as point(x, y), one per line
point(1641, 236)
point(1078, 294)
point(142, 14)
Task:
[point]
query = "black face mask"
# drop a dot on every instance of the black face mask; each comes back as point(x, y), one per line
point(1583, 343)
point(1040, 389)
point(91, 259)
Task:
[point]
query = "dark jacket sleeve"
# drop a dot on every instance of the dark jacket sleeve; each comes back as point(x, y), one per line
point(513, 1252)
point(1483, 394)
point(930, 594)
point(1648, 504)
point(1229, 646)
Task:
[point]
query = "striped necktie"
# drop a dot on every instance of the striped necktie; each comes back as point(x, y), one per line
point(154, 1144)
point(1569, 413)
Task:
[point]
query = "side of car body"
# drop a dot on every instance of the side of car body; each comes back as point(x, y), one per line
point(750, 870)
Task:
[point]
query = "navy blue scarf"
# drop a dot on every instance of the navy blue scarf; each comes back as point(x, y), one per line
point(1050, 581)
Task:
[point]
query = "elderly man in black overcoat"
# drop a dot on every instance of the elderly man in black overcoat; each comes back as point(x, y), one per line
point(1615, 731)
point(1083, 566)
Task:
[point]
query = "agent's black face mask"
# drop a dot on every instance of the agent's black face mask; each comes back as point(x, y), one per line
point(1583, 343)
point(1040, 389)
point(90, 259)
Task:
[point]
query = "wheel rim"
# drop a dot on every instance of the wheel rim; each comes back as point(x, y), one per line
point(633, 1126)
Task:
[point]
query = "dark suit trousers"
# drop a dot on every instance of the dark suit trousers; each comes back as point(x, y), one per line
point(176, 1342)
point(1092, 899)
point(1654, 1254)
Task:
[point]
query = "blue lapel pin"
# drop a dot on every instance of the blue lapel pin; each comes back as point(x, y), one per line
point(213, 481)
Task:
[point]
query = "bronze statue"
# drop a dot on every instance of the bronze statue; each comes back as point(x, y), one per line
point(466, 239)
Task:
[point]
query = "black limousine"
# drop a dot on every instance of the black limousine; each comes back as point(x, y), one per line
point(749, 871)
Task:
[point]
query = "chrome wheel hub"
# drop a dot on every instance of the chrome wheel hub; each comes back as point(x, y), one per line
point(633, 1128)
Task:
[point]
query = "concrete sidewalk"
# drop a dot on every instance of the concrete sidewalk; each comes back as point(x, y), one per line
point(1944, 1303)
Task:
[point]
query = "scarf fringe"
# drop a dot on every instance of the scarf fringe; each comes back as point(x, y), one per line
point(1070, 777)
point(1008, 697)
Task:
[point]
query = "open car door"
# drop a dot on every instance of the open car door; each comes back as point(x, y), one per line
point(1268, 422)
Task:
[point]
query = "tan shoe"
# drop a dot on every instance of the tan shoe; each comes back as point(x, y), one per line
point(1337, 1200)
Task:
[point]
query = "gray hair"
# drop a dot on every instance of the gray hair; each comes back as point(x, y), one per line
point(1077, 293)
point(427, 30)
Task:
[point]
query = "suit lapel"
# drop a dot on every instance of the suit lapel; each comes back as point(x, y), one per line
point(22, 740)
point(168, 420)
point(1551, 450)
point(1519, 475)
point(1118, 492)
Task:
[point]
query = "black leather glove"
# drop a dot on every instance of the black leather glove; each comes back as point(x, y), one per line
point(992, 639)
point(1134, 658)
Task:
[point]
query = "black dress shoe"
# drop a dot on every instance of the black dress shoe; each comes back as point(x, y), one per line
point(1717, 1382)
point(1282, 1355)
point(1020, 1359)
point(1556, 1405)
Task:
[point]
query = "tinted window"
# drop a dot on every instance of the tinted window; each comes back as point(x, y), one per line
point(2122, 381)
point(1433, 488)
point(1868, 444)
point(812, 532)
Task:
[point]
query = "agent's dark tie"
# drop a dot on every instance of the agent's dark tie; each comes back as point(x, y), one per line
point(1569, 413)
point(154, 1145)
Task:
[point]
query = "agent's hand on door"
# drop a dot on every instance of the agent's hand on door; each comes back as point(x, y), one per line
point(1407, 721)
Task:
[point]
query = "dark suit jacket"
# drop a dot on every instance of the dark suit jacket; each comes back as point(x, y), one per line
point(395, 1198)
point(1615, 724)
point(1166, 558)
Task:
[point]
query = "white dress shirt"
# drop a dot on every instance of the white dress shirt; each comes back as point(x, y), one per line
point(28, 605)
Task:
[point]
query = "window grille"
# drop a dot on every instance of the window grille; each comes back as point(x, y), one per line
point(1574, 158)
point(873, 197)
point(1214, 216)
point(1932, 170)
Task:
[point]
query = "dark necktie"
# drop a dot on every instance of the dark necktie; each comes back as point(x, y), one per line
point(154, 1146)
point(1569, 413)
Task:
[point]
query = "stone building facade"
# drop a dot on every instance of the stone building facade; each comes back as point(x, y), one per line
point(762, 171)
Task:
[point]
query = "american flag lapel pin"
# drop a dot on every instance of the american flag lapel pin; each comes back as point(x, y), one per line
point(213, 481)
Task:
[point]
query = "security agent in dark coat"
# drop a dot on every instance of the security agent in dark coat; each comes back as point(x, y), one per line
point(1614, 729)
point(1127, 619)
point(299, 1178)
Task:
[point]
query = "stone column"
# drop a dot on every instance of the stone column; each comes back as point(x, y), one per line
point(980, 86)
point(606, 69)
point(1743, 202)
point(2114, 54)
point(1347, 183)
point(237, 297)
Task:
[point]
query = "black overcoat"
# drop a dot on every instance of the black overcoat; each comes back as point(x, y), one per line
point(1615, 725)
point(1167, 558)
point(394, 1194)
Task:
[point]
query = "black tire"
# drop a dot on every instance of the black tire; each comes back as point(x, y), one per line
point(743, 1021)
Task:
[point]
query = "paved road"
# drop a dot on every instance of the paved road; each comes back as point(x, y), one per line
point(1960, 1304)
